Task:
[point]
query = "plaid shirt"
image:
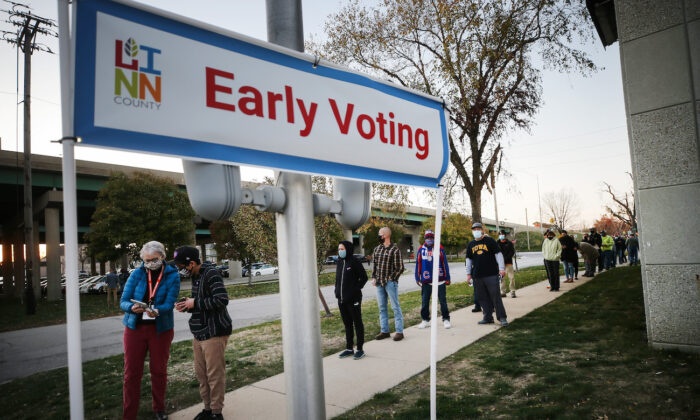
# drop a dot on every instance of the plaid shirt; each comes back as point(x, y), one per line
point(388, 264)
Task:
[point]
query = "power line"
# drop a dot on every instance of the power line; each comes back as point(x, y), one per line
point(571, 136)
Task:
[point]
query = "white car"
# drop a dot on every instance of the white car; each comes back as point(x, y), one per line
point(265, 269)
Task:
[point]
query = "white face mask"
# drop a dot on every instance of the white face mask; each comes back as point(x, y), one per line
point(477, 234)
point(153, 265)
point(501, 237)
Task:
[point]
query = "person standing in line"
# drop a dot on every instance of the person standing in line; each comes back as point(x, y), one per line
point(551, 251)
point(620, 248)
point(388, 266)
point(112, 281)
point(425, 257)
point(569, 256)
point(607, 244)
point(632, 244)
point(484, 263)
point(149, 328)
point(350, 278)
point(590, 257)
point(508, 251)
point(210, 325)
point(597, 242)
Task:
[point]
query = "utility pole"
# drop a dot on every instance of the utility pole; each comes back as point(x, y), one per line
point(495, 202)
point(539, 202)
point(29, 26)
point(528, 230)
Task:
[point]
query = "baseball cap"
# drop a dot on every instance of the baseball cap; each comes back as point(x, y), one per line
point(477, 225)
point(185, 254)
point(429, 233)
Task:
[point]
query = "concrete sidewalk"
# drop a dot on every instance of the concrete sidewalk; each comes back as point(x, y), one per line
point(386, 365)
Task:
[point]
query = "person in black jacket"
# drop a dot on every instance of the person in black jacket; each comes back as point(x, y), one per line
point(210, 325)
point(569, 255)
point(350, 278)
point(597, 241)
point(508, 251)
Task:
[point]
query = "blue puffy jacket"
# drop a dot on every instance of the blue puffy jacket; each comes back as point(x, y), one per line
point(166, 295)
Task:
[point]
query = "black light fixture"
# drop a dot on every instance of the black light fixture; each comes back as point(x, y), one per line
point(603, 15)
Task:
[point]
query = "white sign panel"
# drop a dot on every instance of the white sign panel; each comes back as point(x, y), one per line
point(149, 81)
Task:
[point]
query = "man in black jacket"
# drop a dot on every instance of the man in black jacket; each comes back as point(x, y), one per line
point(350, 278)
point(210, 325)
point(597, 241)
point(508, 251)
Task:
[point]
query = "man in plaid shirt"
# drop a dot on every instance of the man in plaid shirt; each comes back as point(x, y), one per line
point(388, 266)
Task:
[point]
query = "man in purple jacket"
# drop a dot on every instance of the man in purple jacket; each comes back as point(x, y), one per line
point(424, 278)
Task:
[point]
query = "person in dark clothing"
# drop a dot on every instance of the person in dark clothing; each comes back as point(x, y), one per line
point(425, 257)
point(350, 278)
point(123, 277)
point(484, 263)
point(597, 241)
point(620, 249)
point(569, 255)
point(632, 244)
point(508, 251)
point(210, 325)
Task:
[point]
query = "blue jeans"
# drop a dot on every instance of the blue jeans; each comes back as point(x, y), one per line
point(568, 269)
point(609, 259)
point(634, 257)
point(391, 290)
point(620, 255)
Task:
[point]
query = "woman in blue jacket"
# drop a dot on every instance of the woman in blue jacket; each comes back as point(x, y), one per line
point(148, 330)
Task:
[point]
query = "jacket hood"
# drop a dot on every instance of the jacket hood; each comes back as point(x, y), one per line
point(349, 248)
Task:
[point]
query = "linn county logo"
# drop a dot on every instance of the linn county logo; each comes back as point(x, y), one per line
point(136, 86)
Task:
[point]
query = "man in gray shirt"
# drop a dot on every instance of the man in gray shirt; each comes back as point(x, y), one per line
point(486, 265)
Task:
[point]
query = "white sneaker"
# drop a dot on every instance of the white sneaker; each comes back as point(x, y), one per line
point(447, 324)
point(424, 324)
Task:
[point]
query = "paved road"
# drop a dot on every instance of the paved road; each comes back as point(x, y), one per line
point(28, 351)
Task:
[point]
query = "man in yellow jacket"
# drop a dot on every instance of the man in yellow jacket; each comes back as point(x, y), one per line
point(551, 251)
point(607, 243)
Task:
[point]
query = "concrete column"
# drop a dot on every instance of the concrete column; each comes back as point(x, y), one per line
point(660, 57)
point(53, 254)
point(36, 262)
point(415, 241)
point(235, 270)
point(361, 239)
point(8, 275)
point(18, 250)
point(348, 234)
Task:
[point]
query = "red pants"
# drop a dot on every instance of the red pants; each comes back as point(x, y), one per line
point(136, 344)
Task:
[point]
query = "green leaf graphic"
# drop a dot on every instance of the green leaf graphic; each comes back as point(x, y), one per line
point(131, 48)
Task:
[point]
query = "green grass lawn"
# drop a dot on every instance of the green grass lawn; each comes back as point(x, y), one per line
point(252, 354)
point(585, 355)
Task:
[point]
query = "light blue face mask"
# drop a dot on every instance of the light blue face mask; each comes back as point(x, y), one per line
point(501, 237)
point(477, 234)
point(342, 253)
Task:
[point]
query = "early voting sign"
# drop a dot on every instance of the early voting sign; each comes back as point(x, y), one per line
point(147, 80)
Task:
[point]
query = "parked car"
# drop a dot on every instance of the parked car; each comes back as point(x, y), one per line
point(333, 259)
point(253, 267)
point(224, 270)
point(361, 258)
point(82, 274)
point(265, 270)
point(87, 283)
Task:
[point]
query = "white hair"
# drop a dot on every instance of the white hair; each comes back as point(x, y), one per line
point(153, 247)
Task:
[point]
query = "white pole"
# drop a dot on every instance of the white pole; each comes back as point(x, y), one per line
point(70, 217)
point(539, 202)
point(495, 206)
point(296, 254)
point(527, 230)
point(434, 323)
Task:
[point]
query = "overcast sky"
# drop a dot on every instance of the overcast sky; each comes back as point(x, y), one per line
point(578, 141)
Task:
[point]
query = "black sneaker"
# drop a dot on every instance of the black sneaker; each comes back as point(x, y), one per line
point(217, 416)
point(359, 355)
point(346, 353)
point(204, 415)
point(476, 310)
point(160, 415)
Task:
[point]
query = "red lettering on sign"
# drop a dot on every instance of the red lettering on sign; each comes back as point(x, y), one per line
point(212, 88)
point(343, 125)
point(118, 58)
point(360, 126)
point(256, 101)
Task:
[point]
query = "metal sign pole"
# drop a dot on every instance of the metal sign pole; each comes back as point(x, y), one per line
point(70, 219)
point(434, 323)
point(296, 253)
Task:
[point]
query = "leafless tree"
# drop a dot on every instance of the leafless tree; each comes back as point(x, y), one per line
point(625, 209)
point(561, 206)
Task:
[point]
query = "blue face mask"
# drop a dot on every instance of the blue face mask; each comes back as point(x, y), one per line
point(501, 237)
point(477, 234)
point(429, 242)
point(342, 253)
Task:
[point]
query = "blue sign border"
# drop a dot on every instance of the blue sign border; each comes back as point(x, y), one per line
point(86, 29)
